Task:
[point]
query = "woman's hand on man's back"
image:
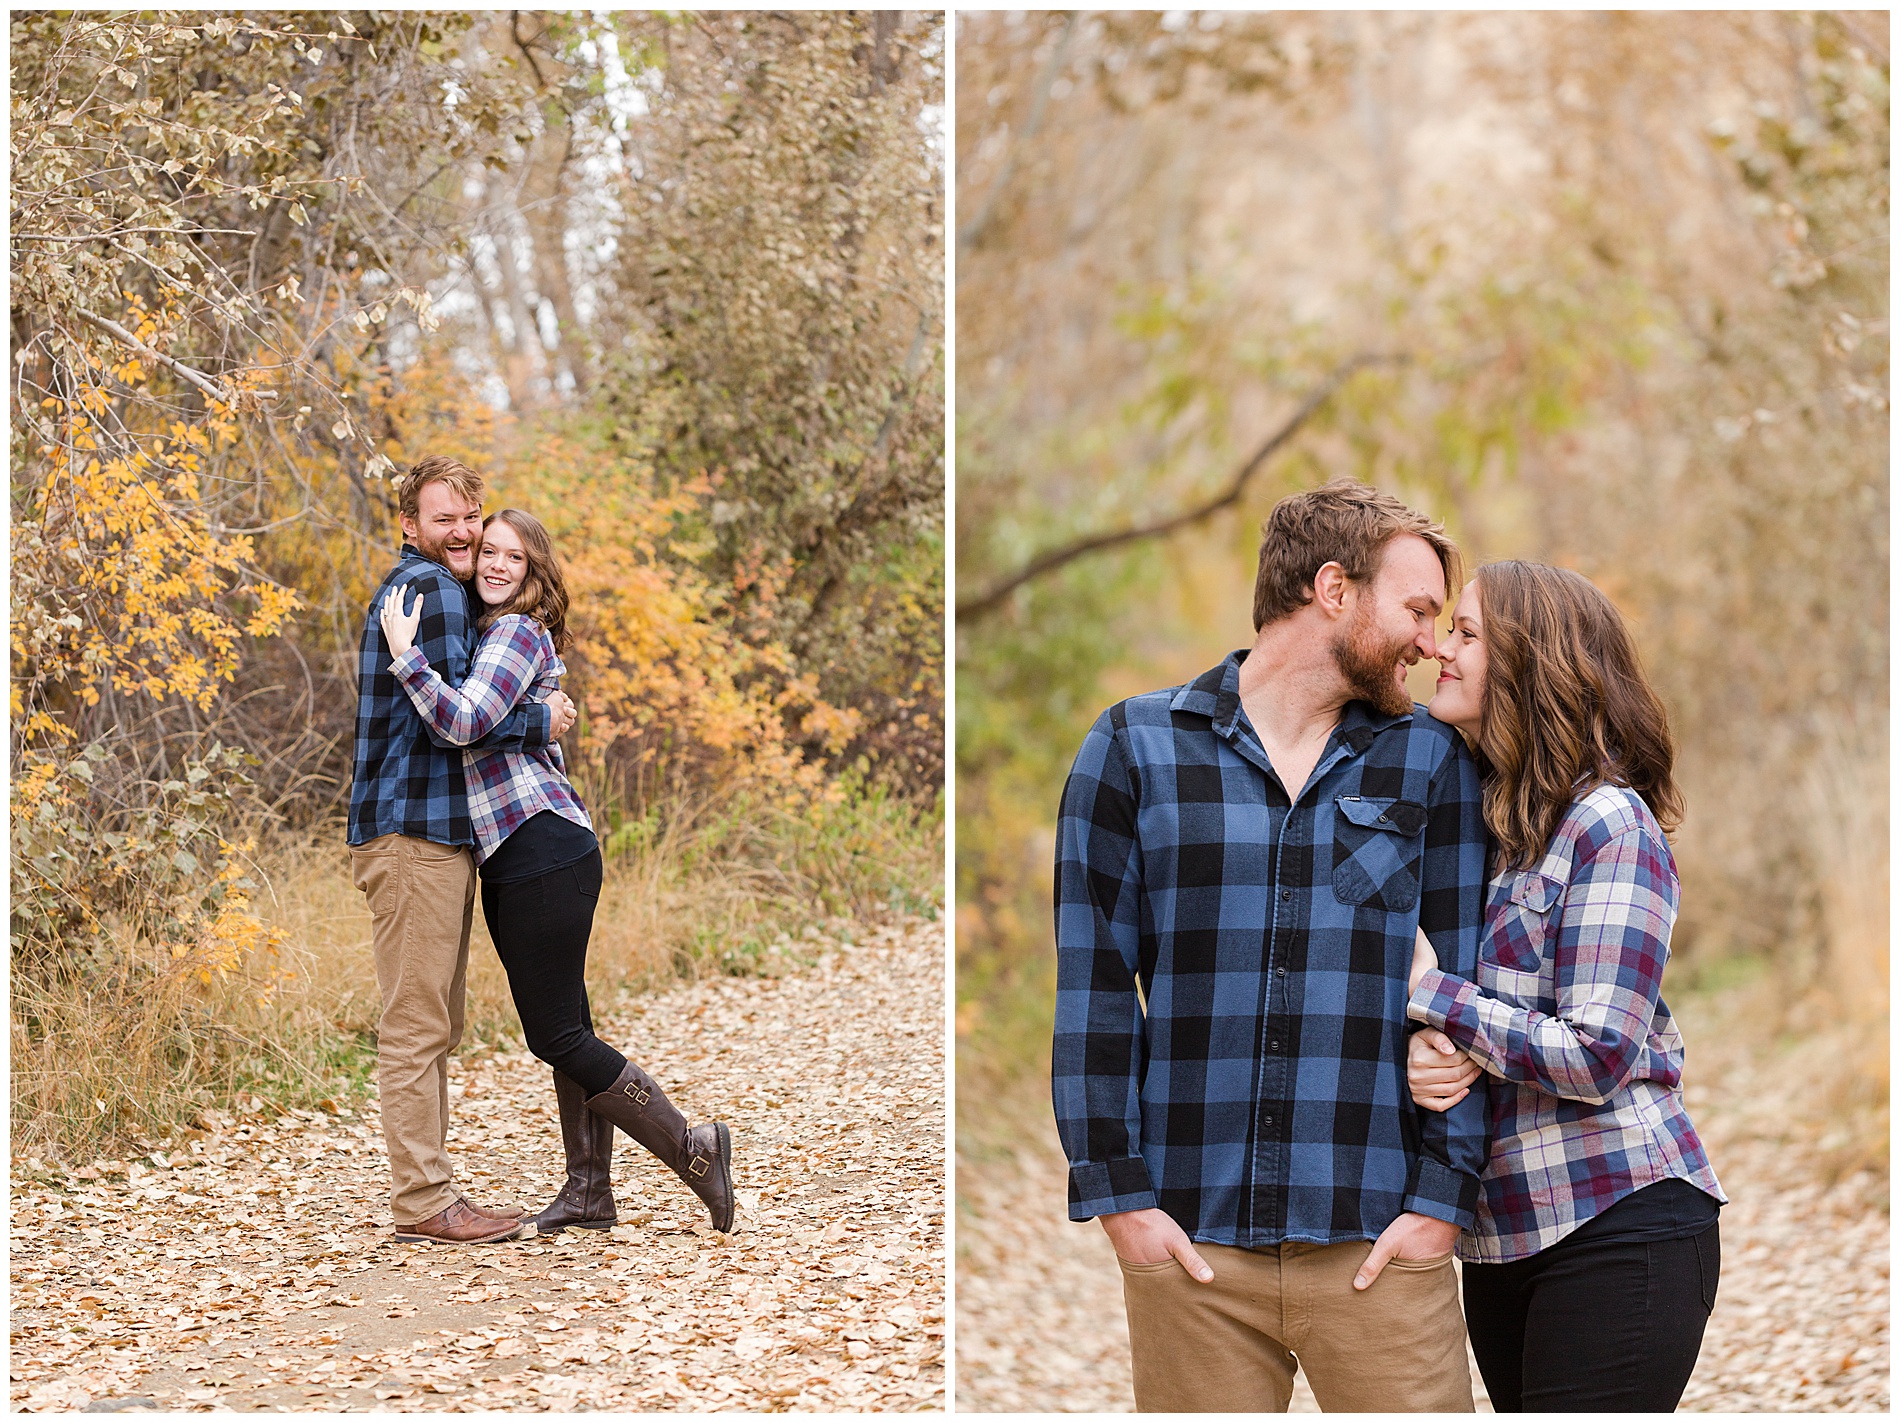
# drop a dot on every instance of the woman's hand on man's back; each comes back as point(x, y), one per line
point(400, 619)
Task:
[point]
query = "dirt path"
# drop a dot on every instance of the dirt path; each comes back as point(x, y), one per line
point(253, 1267)
point(1800, 1324)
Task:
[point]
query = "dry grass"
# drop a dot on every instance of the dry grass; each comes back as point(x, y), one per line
point(125, 1052)
point(1840, 1022)
point(1815, 1012)
point(121, 1051)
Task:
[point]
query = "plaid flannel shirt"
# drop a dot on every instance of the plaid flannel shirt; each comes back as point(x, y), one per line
point(1567, 1010)
point(515, 658)
point(407, 779)
point(1260, 1097)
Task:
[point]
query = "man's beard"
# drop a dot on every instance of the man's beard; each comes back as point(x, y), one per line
point(438, 550)
point(1368, 665)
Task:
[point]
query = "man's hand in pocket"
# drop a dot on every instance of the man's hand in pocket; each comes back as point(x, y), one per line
point(1410, 1237)
point(1152, 1236)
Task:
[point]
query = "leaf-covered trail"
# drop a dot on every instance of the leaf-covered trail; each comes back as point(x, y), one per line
point(254, 1267)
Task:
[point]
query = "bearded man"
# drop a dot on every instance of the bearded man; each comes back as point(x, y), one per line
point(411, 849)
point(1241, 866)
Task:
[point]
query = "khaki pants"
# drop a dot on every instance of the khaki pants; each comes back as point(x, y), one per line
point(1231, 1346)
point(422, 906)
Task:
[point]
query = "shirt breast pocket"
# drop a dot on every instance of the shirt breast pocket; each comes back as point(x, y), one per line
point(1377, 848)
point(1520, 937)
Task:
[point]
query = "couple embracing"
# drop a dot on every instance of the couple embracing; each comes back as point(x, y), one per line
point(458, 778)
point(1347, 986)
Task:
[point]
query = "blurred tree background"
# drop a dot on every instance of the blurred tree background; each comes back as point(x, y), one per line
point(1608, 290)
point(672, 281)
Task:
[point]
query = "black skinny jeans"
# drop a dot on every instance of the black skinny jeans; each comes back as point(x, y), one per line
point(1584, 1327)
point(540, 928)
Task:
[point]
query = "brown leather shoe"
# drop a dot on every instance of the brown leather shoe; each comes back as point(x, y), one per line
point(494, 1212)
point(458, 1225)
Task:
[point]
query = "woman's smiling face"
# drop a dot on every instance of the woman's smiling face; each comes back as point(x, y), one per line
point(1459, 701)
point(501, 565)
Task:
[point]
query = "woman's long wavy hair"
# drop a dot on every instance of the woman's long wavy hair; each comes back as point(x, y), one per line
point(1566, 707)
point(543, 591)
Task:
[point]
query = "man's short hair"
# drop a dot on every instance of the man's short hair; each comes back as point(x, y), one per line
point(452, 472)
point(1344, 522)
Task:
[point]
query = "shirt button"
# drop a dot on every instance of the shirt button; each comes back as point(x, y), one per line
point(1266, 1121)
point(1281, 970)
point(1274, 1045)
point(1286, 894)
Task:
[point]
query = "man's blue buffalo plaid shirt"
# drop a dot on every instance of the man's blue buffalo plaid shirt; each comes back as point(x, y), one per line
point(1231, 970)
point(406, 779)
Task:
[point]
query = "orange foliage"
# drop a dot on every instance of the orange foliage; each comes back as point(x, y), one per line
point(671, 694)
point(124, 585)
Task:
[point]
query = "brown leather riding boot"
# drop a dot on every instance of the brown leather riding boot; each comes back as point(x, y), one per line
point(586, 1201)
point(700, 1156)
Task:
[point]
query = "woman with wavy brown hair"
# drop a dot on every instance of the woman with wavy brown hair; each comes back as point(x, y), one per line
point(1591, 1267)
point(540, 870)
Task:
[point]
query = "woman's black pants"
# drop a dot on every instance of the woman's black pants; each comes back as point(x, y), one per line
point(1588, 1327)
point(540, 928)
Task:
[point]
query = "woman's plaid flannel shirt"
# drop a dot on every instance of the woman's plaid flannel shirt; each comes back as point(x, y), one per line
point(514, 660)
point(1567, 1011)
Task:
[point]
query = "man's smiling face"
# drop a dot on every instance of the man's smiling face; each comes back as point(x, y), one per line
point(446, 528)
point(1390, 626)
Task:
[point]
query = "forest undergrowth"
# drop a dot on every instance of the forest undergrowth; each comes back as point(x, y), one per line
point(141, 1046)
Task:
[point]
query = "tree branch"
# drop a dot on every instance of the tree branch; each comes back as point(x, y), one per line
point(128, 231)
point(514, 29)
point(990, 598)
point(1039, 101)
point(184, 372)
point(1867, 41)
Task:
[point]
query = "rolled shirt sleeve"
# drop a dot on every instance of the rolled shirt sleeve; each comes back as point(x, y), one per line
point(1453, 1145)
point(1100, 1044)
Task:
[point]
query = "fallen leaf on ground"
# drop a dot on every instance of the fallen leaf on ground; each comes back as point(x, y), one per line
point(263, 1272)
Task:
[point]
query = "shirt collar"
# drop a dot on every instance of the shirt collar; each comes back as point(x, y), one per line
point(1215, 694)
point(1359, 724)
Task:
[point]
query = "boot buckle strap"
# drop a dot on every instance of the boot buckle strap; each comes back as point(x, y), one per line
point(699, 1165)
point(638, 1093)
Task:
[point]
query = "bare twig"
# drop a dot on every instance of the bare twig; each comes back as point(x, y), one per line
point(990, 598)
point(178, 368)
point(514, 29)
